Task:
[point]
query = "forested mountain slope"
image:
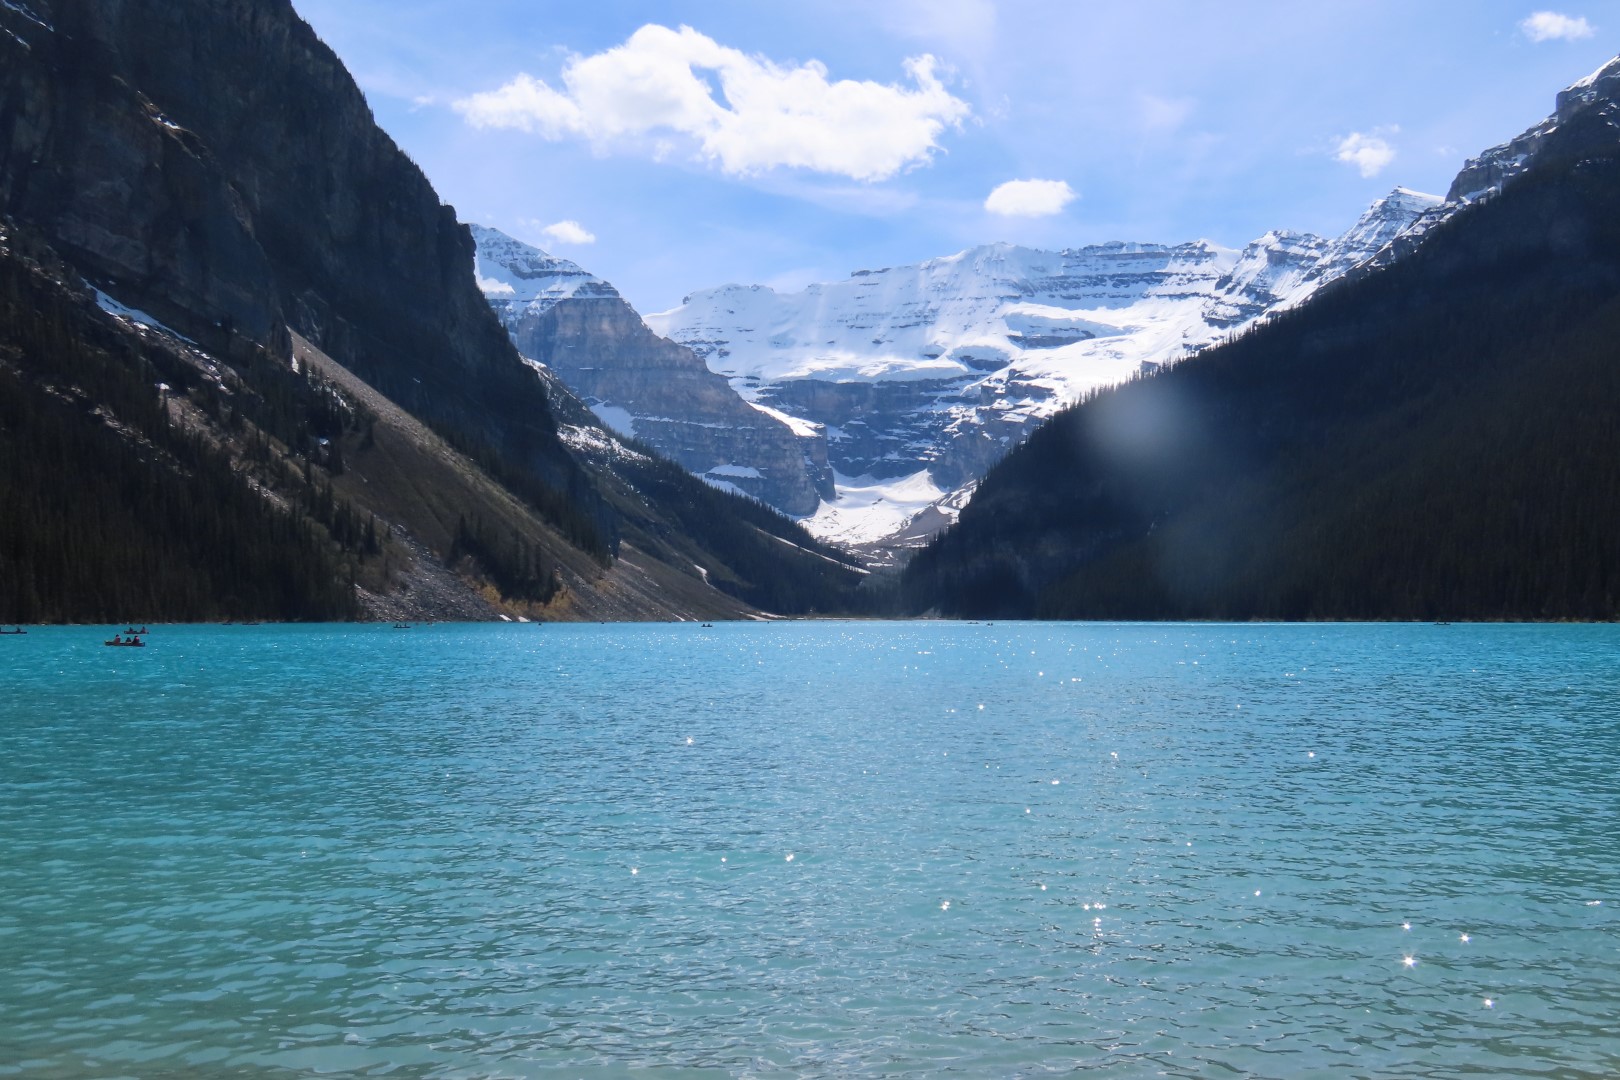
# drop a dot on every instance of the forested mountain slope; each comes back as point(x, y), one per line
point(1436, 439)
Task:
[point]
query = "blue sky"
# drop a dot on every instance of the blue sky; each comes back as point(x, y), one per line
point(784, 143)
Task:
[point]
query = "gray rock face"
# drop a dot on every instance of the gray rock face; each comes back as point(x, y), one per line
point(643, 385)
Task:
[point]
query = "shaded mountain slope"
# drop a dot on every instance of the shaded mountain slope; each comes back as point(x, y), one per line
point(214, 164)
point(1432, 440)
point(112, 507)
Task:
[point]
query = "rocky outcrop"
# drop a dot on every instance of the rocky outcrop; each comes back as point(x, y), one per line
point(1485, 174)
point(645, 386)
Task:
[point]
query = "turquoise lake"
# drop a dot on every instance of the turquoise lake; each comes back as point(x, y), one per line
point(811, 849)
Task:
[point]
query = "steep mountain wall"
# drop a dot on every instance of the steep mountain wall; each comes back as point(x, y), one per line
point(212, 162)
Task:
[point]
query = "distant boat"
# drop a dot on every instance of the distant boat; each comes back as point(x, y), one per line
point(126, 642)
point(132, 630)
point(402, 626)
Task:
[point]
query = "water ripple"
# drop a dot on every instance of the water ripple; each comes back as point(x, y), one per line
point(1015, 850)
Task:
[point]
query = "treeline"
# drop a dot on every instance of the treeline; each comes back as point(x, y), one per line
point(515, 566)
point(1432, 441)
point(107, 511)
point(748, 548)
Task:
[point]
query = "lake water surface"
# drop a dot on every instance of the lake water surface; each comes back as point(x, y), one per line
point(811, 849)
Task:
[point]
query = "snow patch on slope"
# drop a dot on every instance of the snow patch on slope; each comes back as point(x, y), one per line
point(135, 315)
point(869, 510)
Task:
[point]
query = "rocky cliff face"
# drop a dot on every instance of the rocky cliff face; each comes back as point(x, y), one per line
point(212, 162)
point(643, 385)
point(924, 376)
point(1485, 174)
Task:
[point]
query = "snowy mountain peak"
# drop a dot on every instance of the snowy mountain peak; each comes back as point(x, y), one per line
point(1403, 200)
point(519, 275)
point(1604, 83)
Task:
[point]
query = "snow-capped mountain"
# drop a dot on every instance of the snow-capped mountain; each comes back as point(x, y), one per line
point(576, 325)
point(922, 376)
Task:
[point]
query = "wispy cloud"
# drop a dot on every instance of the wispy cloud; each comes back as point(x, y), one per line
point(1553, 26)
point(1369, 152)
point(766, 115)
point(962, 28)
point(568, 232)
point(1165, 114)
point(1030, 198)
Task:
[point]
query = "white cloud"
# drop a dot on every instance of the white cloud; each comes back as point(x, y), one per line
point(766, 116)
point(1552, 26)
point(526, 104)
point(569, 232)
point(1368, 152)
point(1030, 198)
